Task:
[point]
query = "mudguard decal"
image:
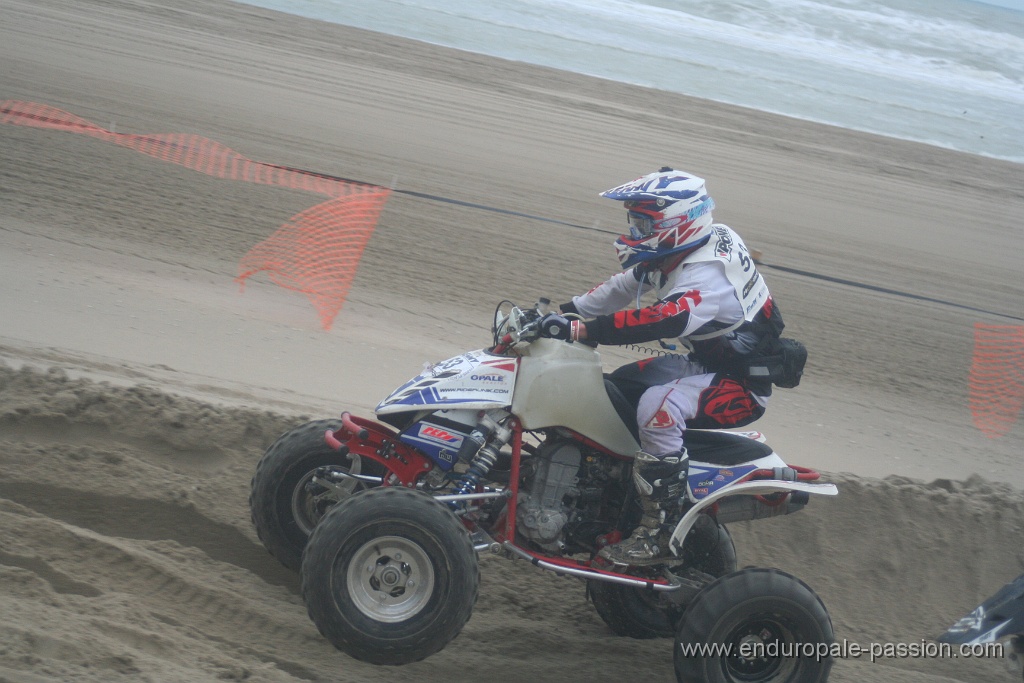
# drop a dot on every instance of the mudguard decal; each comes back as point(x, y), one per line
point(472, 380)
point(707, 479)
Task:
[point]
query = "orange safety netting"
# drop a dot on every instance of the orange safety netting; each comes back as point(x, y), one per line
point(316, 252)
point(997, 378)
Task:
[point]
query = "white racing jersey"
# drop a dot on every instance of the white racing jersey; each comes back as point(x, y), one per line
point(710, 293)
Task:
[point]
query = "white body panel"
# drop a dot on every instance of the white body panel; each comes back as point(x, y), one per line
point(750, 488)
point(475, 380)
point(553, 384)
point(562, 385)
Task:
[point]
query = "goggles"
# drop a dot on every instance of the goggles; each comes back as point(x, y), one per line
point(644, 216)
point(640, 225)
point(641, 219)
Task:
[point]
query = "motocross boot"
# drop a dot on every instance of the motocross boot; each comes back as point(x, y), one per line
point(660, 483)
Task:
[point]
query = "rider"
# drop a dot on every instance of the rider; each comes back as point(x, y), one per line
point(710, 296)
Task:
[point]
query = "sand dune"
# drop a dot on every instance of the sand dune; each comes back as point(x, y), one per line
point(127, 554)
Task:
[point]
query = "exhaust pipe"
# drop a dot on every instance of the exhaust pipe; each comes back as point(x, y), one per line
point(745, 508)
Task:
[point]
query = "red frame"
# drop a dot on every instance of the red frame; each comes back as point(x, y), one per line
point(371, 439)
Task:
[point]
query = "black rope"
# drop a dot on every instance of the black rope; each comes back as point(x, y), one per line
point(885, 290)
point(520, 214)
point(784, 269)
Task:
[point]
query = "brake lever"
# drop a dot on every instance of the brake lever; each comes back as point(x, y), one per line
point(530, 331)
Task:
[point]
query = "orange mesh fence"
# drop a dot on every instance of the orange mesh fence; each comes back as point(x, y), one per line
point(997, 378)
point(316, 252)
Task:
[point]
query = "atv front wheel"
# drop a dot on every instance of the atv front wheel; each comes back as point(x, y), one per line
point(285, 501)
point(754, 626)
point(390, 576)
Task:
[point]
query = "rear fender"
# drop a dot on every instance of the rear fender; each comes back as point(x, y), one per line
point(746, 488)
point(372, 440)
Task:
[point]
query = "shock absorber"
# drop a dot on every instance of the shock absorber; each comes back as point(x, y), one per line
point(486, 440)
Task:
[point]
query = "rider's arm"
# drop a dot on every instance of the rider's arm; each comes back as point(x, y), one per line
point(693, 301)
point(611, 295)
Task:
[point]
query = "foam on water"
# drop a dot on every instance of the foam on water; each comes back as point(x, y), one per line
point(945, 72)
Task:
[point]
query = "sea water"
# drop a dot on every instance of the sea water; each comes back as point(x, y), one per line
point(943, 72)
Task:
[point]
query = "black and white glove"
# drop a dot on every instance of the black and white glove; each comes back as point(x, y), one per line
point(554, 326)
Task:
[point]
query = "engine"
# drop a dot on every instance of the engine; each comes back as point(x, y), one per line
point(560, 505)
point(546, 506)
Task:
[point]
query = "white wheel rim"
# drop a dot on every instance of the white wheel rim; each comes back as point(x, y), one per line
point(390, 579)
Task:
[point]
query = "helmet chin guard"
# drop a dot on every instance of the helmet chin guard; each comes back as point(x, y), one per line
point(631, 252)
point(669, 213)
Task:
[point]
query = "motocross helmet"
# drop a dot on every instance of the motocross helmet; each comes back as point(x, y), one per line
point(669, 213)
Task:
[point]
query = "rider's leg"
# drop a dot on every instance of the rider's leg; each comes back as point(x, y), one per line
point(659, 474)
point(702, 401)
point(724, 402)
point(660, 483)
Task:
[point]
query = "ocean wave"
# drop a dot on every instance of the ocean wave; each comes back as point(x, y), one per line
point(956, 66)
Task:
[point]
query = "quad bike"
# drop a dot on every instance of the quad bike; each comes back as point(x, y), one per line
point(1000, 619)
point(524, 449)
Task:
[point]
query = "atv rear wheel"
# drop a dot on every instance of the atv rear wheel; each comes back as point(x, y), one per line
point(285, 503)
point(640, 613)
point(771, 628)
point(390, 576)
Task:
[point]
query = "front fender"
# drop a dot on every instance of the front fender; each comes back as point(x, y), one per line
point(750, 488)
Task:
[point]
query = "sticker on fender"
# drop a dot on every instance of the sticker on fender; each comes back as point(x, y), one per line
point(476, 377)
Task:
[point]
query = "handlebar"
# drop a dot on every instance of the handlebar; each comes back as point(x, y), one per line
point(521, 325)
point(518, 325)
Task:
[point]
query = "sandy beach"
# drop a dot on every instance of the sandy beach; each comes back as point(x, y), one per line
point(139, 386)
